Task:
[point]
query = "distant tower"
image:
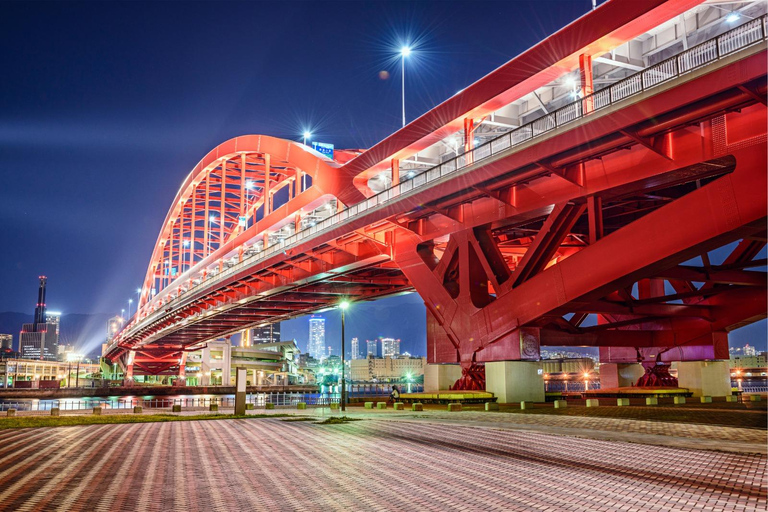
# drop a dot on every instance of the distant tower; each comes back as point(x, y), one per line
point(316, 346)
point(114, 325)
point(355, 348)
point(40, 339)
point(371, 348)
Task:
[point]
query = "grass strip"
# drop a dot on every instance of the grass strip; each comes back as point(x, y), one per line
point(68, 421)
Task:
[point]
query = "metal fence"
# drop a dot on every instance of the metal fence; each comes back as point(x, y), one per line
point(700, 55)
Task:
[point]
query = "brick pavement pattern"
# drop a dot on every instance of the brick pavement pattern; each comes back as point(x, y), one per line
point(268, 464)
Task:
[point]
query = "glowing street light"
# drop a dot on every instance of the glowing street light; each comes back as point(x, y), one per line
point(732, 17)
point(343, 305)
point(130, 301)
point(404, 52)
point(307, 135)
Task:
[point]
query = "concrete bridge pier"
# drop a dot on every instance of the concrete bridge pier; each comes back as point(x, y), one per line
point(515, 381)
point(620, 375)
point(705, 378)
point(440, 377)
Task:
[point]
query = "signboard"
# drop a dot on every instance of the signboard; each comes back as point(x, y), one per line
point(325, 149)
point(242, 221)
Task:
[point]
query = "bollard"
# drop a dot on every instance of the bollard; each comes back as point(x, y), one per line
point(454, 407)
point(593, 402)
point(369, 405)
point(491, 406)
point(706, 399)
point(651, 400)
point(381, 405)
point(417, 406)
point(248, 407)
point(524, 405)
point(334, 406)
point(560, 404)
point(301, 405)
point(97, 411)
point(212, 407)
point(622, 402)
point(754, 398)
point(55, 411)
point(399, 406)
point(731, 398)
point(679, 400)
point(11, 412)
point(176, 408)
point(137, 409)
point(269, 405)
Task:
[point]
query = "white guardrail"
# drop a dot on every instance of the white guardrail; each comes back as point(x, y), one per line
point(700, 55)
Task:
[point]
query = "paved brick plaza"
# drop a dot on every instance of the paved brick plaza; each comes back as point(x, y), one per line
point(269, 464)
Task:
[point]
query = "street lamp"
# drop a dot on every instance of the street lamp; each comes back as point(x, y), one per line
point(307, 135)
point(343, 305)
point(130, 301)
point(404, 52)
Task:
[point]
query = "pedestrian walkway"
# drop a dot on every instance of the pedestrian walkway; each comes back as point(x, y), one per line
point(376, 464)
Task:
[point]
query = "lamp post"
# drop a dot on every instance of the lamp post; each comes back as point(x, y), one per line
point(130, 301)
point(343, 306)
point(307, 135)
point(404, 52)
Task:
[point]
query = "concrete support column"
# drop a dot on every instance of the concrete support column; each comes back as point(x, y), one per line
point(439, 377)
point(705, 378)
point(515, 381)
point(205, 367)
point(620, 375)
point(226, 364)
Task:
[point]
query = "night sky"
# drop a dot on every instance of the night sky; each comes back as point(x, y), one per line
point(106, 106)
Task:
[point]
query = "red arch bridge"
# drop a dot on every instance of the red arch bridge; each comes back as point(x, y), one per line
point(582, 194)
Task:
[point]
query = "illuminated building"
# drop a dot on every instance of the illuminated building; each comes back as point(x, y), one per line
point(39, 340)
point(316, 346)
point(6, 341)
point(371, 348)
point(266, 334)
point(355, 348)
point(114, 325)
point(390, 347)
point(386, 368)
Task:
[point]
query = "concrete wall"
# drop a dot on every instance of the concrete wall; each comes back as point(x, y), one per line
point(620, 375)
point(439, 377)
point(705, 378)
point(515, 381)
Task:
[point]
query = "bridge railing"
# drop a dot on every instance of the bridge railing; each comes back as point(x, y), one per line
point(700, 55)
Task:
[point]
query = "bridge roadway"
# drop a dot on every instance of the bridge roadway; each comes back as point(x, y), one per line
point(590, 209)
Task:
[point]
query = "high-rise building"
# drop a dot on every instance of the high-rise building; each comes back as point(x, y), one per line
point(749, 351)
point(54, 317)
point(6, 341)
point(316, 345)
point(267, 334)
point(114, 325)
point(390, 347)
point(39, 340)
point(371, 348)
point(355, 348)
